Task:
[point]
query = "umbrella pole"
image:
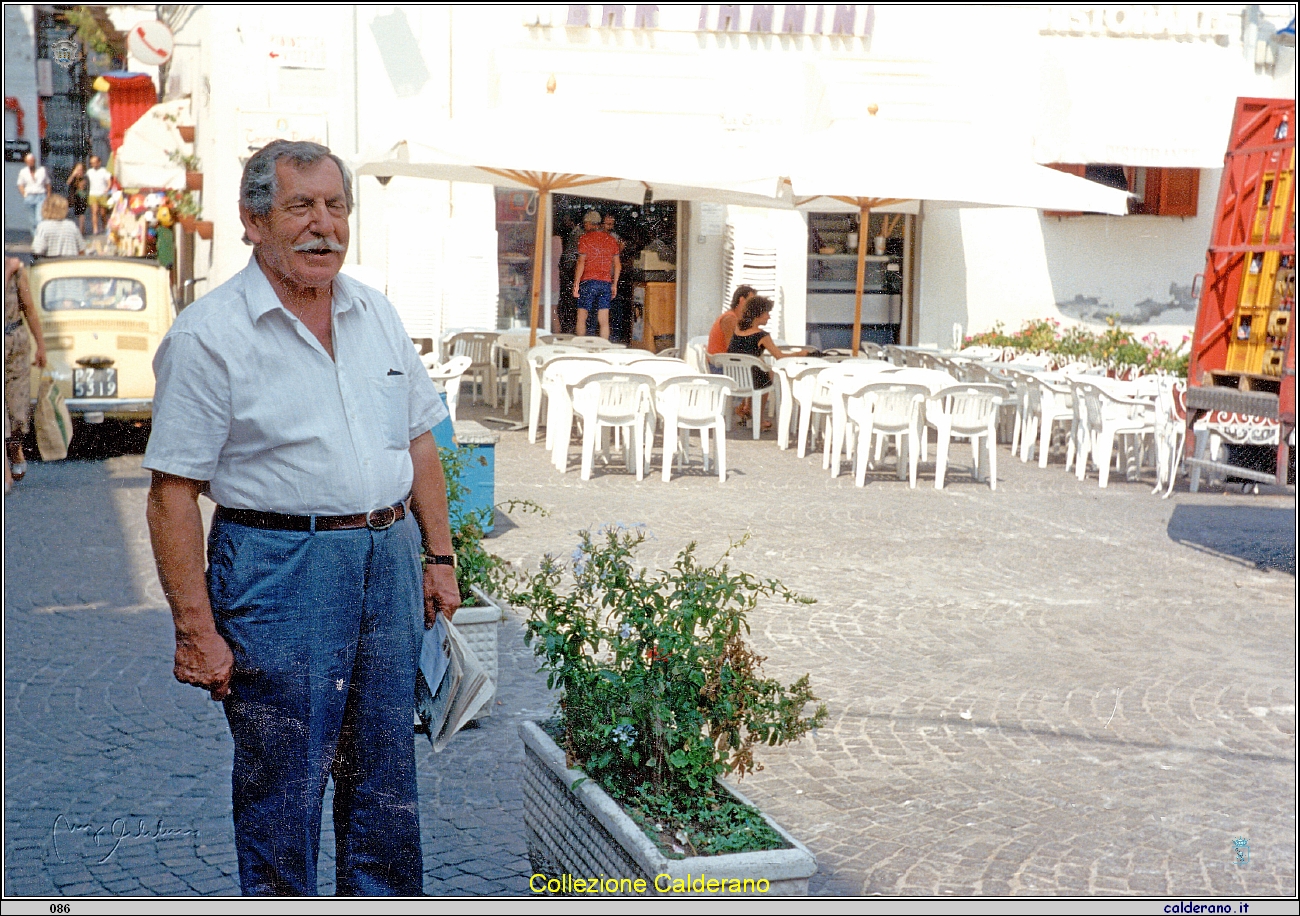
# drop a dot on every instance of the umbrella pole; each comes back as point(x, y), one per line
point(864, 217)
point(543, 201)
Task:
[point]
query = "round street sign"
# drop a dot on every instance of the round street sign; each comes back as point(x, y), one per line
point(150, 42)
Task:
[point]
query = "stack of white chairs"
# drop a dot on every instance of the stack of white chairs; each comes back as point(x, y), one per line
point(613, 400)
point(477, 345)
point(697, 403)
point(447, 376)
point(968, 412)
point(738, 367)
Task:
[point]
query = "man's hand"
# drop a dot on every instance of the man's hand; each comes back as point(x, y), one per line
point(205, 661)
point(39, 359)
point(441, 593)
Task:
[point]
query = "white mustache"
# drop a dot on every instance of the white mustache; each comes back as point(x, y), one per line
point(320, 245)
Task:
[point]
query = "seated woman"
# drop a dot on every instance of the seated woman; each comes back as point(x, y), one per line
point(725, 326)
point(752, 339)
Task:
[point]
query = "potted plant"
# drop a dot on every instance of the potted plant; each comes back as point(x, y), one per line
point(186, 132)
point(659, 697)
point(185, 209)
point(204, 228)
point(193, 169)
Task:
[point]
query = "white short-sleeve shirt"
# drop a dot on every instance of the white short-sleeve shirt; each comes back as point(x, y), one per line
point(248, 400)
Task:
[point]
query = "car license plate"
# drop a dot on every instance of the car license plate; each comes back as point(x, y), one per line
point(94, 383)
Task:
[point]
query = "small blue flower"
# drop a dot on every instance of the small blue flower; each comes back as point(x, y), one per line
point(624, 734)
point(625, 631)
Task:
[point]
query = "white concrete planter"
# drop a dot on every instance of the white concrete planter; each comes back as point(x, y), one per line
point(579, 831)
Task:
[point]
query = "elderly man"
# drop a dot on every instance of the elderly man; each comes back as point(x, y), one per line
point(33, 185)
point(293, 397)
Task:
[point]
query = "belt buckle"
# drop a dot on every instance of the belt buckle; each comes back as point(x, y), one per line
point(375, 525)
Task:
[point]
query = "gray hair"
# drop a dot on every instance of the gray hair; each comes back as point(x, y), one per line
point(258, 186)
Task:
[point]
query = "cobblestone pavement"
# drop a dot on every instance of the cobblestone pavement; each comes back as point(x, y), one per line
point(1047, 689)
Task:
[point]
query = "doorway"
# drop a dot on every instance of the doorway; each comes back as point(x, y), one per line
point(647, 236)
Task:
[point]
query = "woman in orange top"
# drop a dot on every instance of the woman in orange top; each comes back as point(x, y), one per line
point(725, 326)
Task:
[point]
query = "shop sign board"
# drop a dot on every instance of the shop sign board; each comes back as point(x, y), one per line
point(258, 128)
point(790, 19)
point(1176, 23)
point(305, 52)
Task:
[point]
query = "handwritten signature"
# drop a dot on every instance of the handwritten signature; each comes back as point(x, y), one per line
point(120, 831)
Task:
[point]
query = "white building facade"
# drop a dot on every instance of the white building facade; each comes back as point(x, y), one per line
point(1129, 91)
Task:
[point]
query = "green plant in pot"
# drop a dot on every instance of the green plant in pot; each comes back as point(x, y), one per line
point(476, 568)
point(659, 693)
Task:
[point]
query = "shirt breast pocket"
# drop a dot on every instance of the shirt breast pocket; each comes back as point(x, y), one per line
point(391, 396)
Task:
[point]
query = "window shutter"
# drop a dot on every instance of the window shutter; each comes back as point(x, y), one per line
point(1178, 191)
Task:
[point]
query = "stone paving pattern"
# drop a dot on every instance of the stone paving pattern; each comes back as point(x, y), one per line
point(1047, 689)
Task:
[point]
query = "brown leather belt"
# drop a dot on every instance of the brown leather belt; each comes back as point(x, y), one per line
point(375, 519)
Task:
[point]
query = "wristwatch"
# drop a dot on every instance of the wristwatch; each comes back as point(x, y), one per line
point(442, 559)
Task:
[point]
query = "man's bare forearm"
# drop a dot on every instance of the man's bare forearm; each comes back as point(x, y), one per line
point(429, 495)
point(176, 533)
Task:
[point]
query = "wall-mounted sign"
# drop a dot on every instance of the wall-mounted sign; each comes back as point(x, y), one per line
point(306, 52)
point(1176, 23)
point(150, 42)
point(843, 21)
point(16, 150)
point(258, 128)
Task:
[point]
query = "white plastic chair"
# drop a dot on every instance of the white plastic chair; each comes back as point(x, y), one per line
point(508, 351)
point(1055, 404)
point(558, 377)
point(880, 409)
point(1102, 417)
point(738, 367)
point(969, 412)
point(594, 344)
point(534, 361)
point(786, 370)
point(1171, 433)
point(613, 400)
point(448, 375)
point(836, 380)
point(693, 403)
point(697, 354)
point(477, 345)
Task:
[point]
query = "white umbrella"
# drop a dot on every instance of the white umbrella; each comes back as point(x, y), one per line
point(545, 158)
point(887, 163)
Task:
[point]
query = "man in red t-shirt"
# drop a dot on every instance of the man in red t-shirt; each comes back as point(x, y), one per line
point(595, 277)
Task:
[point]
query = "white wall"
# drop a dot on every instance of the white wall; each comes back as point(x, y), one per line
point(20, 82)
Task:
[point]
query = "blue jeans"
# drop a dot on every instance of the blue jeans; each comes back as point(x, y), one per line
point(326, 631)
point(35, 202)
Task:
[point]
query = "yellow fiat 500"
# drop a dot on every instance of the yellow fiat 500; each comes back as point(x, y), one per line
point(103, 319)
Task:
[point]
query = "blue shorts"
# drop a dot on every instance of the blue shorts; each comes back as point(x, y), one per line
point(594, 295)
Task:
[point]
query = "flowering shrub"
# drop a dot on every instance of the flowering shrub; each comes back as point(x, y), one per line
point(1113, 346)
point(660, 695)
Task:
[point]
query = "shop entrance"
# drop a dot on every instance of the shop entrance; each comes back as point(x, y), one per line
point(644, 307)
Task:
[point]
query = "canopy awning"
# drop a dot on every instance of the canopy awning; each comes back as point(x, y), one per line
point(1138, 103)
point(144, 160)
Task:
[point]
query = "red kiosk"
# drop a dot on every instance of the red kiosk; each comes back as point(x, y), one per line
point(1243, 348)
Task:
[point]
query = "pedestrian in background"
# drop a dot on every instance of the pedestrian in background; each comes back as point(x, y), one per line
point(294, 398)
point(78, 194)
point(18, 362)
point(33, 185)
point(99, 181)
point(56, 236)
point(596, 274)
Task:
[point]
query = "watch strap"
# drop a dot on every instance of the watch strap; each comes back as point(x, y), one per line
point(442, 559)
